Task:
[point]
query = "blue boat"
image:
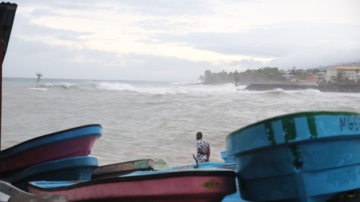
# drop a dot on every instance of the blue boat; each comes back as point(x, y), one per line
point(236, 197)
point(205, 165)
point(225, 157)
point(71, 169)
point(68, 143)
point(307, 156)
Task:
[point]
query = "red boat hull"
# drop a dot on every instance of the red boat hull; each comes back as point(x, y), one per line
point(65, 149)
point(164, 189)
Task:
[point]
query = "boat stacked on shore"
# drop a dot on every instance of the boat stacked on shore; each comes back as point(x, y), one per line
point(307, 157)
point(62, 155)
point(59, 164)
point(300, 157)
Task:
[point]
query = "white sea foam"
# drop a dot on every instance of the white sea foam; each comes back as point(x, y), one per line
point(114, 86)
point(60, 84)
point(39, 89)
point(186, 82)
point(173, 89)
point(47, 84)
point(143, 119)
point(276, 90)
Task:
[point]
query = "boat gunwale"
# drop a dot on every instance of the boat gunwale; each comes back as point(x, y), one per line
point(134, 161)
point(103, 171)
point(62, 164)
point(298, 143)
point(162, 175)
point(292, 115)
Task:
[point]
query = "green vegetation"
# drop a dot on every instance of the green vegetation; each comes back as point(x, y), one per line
point(266, 74)
point(262, 75)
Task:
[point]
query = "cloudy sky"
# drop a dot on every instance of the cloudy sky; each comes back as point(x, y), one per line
point(178, 40)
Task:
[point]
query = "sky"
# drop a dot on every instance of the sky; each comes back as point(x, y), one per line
point(162, 40)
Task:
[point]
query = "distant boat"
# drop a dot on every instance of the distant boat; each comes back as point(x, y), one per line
point(59, 145)
point(116, 169)
point(306, 156)
point(70, 169)
point(190, 186)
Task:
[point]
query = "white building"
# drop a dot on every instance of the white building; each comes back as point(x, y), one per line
point(349, 72)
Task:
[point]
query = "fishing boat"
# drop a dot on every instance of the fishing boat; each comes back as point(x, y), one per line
point(161, 164)
point(307, 156)
point(70, 169)
point(228, 164)
point(59, 145)
point(225, 157)
point(116, 169)
point(167, 185)
point(12, 194)
point(205, 165)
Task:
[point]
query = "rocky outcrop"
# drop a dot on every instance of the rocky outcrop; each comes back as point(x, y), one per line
point(340, 88)
point(344, 88)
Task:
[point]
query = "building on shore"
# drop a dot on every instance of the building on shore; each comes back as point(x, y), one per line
point(312, 78)
point(351, 73)
point(290, 78)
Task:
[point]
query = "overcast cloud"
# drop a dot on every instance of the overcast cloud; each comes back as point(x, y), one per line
point(178, 40)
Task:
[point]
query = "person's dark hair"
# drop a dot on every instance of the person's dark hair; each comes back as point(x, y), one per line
point(199, 134)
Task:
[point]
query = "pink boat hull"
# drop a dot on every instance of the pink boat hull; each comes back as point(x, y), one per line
point(166, 189)
point(65, 149)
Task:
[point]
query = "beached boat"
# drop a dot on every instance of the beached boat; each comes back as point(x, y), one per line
point(116, 169)
point(193, 185)
point(235, 197)
point(70, 169)
point(161, 164)
point(225, 157)
point(10, 193)
point(308, 156)
point(209, 165)
point(59, 145)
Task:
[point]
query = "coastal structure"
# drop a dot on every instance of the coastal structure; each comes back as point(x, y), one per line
point(347, 72)
point(38, 74)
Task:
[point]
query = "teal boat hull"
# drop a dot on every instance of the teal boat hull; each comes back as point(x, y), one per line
point(309, 156)
point(70, 169)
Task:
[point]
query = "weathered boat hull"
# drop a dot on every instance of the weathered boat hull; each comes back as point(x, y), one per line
point(205, 165)
point(117, 169)
point(71, 169)
point(150, 186)
point(11, 194)
point(309, 156)
point(64, 144)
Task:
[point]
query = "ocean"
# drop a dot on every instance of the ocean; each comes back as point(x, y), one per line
point(145, 119)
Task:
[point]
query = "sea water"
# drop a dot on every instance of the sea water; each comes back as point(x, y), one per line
point(143, 119)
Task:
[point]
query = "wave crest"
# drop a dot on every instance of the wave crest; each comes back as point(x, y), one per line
point(114, 86)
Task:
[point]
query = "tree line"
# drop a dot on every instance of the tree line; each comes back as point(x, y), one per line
point(262, 75)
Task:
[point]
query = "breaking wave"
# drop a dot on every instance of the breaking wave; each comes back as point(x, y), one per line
point(64, 85)
point(159, 88)
point(39, 89)
point(168, 89)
